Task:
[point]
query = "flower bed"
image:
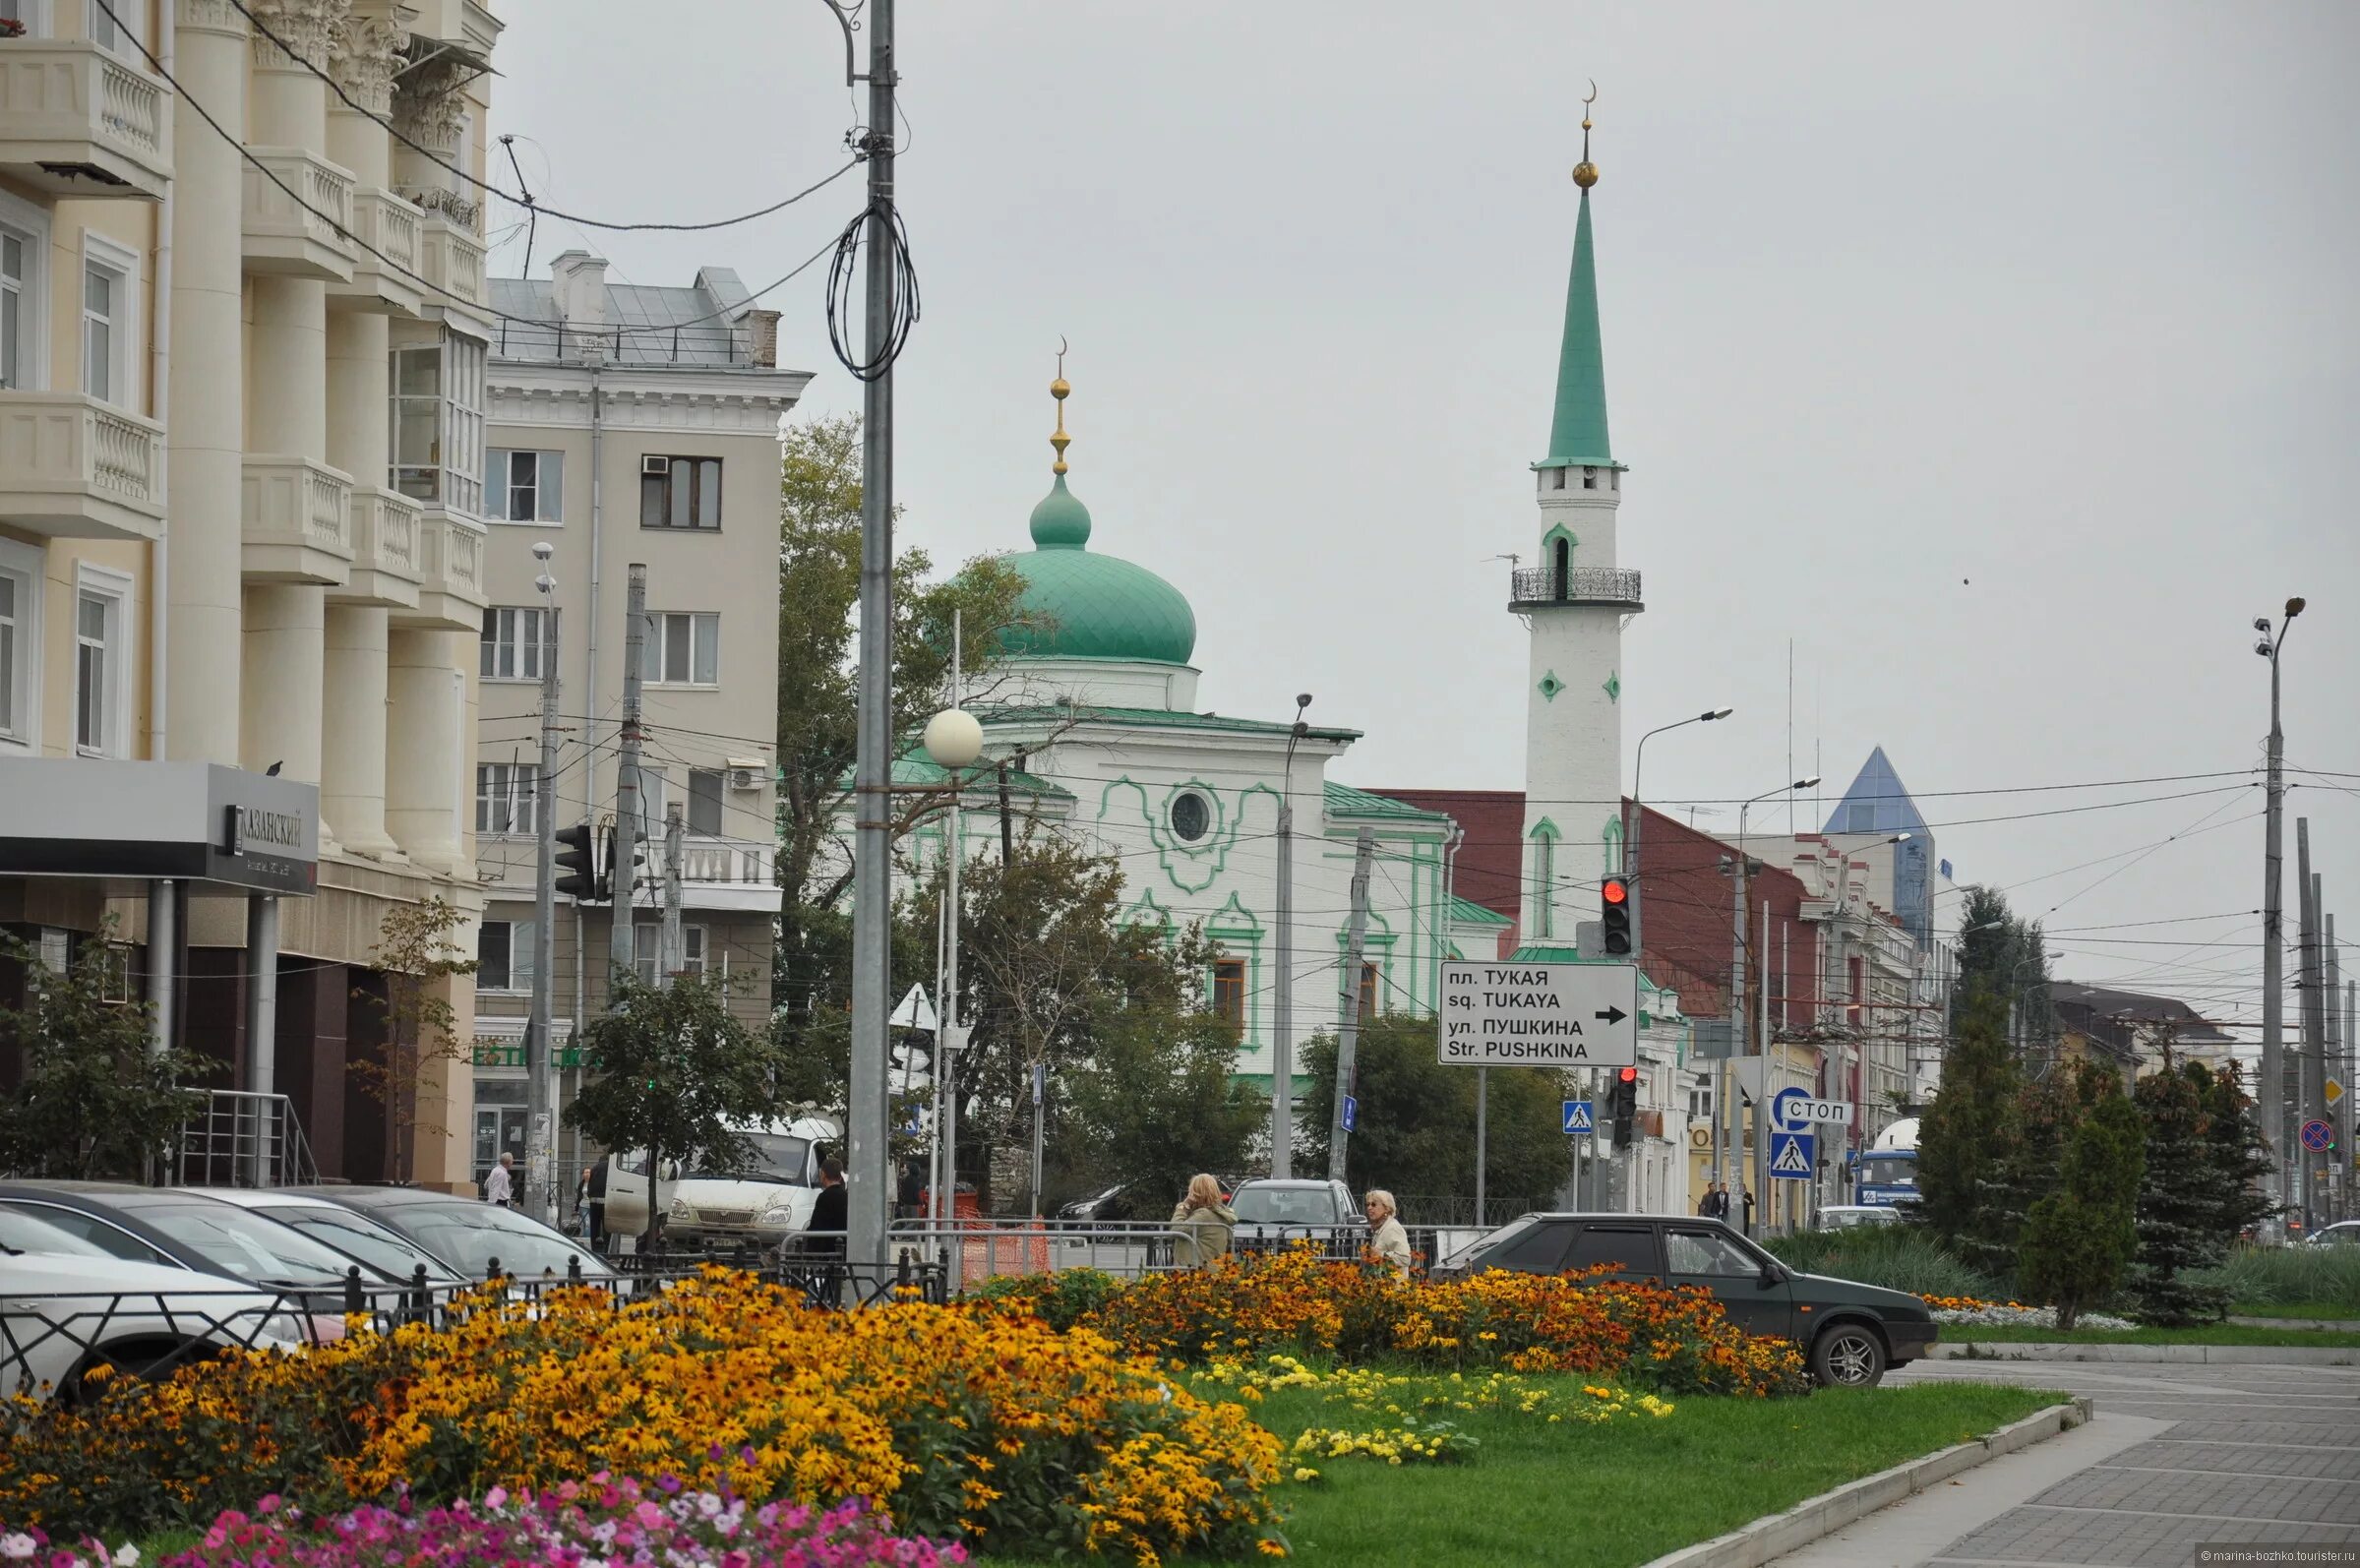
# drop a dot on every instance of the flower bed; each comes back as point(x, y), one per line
point(1967, 1309)
point(959, 1424)
point(1675, 1342)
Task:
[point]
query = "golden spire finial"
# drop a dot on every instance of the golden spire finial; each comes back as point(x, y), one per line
point(1059, 388)
point(1585, 173)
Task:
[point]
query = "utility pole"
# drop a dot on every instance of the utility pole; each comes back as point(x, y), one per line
point(2306, 970)
point(867, 1144)
point(1348, 1018)
point(2273, 1092)
point(675, 957)
point(949, 1038)
point(1732, 1133)
point(623, 960)
point(1282, 996)
point(540, 1144)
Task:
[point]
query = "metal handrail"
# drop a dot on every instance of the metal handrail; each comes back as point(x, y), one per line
point(1577, 586)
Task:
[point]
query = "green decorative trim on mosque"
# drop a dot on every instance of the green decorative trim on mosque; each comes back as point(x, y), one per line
point(1550, 686)
point(1613, 686)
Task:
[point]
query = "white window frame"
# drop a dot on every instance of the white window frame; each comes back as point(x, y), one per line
point(695, 950)
point(517, 640)
point(454, 465)
point(116, 645)
point(672, 481)
point(122, 266)
point(522, 949)
point(509, 788)
point(500, 487)
point(35, 13)
point(654, 667)
point(124, 39)
point(28, 225)
point(24, 565)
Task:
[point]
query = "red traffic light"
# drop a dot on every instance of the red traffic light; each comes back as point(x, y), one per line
point(1628, 1074)
point(1616, 892)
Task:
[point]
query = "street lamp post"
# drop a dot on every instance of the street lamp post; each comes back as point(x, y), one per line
point(953, 741)
point(1282, 996)
point(1630, 867)
point(1723, 1101)
point(2272, 1098)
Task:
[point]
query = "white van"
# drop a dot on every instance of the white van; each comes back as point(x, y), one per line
point(761, 1202)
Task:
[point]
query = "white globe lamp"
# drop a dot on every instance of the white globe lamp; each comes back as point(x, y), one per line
point(953, 739)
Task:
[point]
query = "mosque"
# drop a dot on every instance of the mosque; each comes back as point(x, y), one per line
point(1115, 752)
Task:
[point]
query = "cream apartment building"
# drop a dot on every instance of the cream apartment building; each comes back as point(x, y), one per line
point(242, 339)
point(639, 426)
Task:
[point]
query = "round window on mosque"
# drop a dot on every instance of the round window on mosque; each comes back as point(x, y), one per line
point(1192, 816)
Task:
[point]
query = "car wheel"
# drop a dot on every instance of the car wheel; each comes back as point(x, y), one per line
point(1848, 1355)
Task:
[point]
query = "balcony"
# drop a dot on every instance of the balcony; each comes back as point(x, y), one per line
point(1534, 587)
point(296, 523)
point(307, 238)
point(451, 258)
point(450, 594)
point(75, 121)
point(733, 873)
point(382, 221)
point(76, 469)
point(386, 568)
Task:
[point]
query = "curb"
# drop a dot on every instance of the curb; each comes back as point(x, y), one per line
point(2157, 1354)
point(1774, 1536)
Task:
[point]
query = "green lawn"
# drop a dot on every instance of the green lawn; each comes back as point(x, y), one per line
point(2206, 1334)
point(1612, 1495)
point(2315, 1311)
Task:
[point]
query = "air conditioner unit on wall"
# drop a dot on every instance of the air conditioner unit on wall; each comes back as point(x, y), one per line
point(746, 772)
point(658, 466)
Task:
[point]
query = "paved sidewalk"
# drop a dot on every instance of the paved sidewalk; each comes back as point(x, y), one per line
point(2177, 1455)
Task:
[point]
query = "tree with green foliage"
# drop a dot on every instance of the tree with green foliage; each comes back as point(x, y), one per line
point(2237, 1161)
point(1415, 1129)
point(2080, 1239)
point(819, 598)
point(2178, 1216)
point(1965, 1137)
point(419, 955)
point(95, 1100)
point(2008, 957)
point(670, 1071)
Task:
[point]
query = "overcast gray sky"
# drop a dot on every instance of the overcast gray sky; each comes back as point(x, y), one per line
point(2005, 358)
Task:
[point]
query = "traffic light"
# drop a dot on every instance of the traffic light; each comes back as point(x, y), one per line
point(577, 871)
point(1614, 916)
point(638, 859)
point(1623, 1103)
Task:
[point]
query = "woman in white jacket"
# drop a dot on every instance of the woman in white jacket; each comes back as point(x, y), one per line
point(1386, 1238)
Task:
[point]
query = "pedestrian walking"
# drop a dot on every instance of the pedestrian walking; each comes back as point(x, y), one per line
point(1706, 1207)
point(1386, 1238)
point(1749, 1210)
point(824, 1237)
point(596, 1201)
point(1204, 1222)
point(500, 1183)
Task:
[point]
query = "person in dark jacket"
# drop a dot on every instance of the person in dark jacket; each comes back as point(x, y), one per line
point(595, 1196)
point(825, 1236)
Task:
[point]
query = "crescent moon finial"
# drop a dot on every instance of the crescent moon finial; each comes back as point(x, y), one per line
point(1593, 97)
point(1058, 389)
point(1585, 173)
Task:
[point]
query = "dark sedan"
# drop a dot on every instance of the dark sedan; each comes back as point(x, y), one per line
point(1850, 1332)
point(468, 1235)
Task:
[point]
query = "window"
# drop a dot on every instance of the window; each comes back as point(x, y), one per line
point(524, 485)
point(1192, 816)
point(505, 799)
point(1707, 1252)
point(1369, 993)
point(680, 491)
point(647, 947)
point(503, 951)
point(115, 981)
point(681, 650)
point(13, 258)
point(1627, 1249)
point(102, 299)
point(438, 423)
point(1228, 993)
point(705, 802)
point(100, 661)
point(115, 31)
point(1540, 1250)
point(19, 642)
point(512, 640)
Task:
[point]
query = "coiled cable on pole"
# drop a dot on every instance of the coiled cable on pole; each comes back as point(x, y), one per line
point(840, 274)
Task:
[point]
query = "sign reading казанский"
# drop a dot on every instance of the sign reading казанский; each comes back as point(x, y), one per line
point(1551, 1015)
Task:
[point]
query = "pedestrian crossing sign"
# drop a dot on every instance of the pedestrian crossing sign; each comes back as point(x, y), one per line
point(1794, 1156)
point(1579, 1121)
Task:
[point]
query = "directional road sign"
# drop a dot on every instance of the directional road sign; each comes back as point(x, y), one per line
point(1794, 1107)
point(2333, 1092)
point(1551, 1014)
point(2318, 1137)
point(1581, 1121)
point(1351, 1113)
point(1794, 1156)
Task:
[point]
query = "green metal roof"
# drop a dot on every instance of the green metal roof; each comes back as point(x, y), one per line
point(1467, 912)
point(917, 768)
point(1577, 432)
point(1345, 801)
point(1156, 719)
point(1077, 605)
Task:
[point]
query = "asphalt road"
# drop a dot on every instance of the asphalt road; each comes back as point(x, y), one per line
point(2178, 1457)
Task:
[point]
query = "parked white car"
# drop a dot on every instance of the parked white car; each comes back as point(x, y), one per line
point(761, 1203)
point(61, 1313)
point(1845, 1216)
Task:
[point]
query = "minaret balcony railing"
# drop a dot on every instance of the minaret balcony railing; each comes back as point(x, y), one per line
point(77, 121)
point(1532, 586)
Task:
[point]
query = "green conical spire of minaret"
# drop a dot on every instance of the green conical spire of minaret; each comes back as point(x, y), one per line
point(1577, 430)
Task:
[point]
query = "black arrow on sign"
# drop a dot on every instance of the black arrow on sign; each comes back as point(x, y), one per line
point(1613, 1015)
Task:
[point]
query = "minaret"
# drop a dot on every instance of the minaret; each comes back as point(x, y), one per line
point(1574, 600)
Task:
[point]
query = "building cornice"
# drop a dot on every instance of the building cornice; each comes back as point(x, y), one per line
point(725, 402)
